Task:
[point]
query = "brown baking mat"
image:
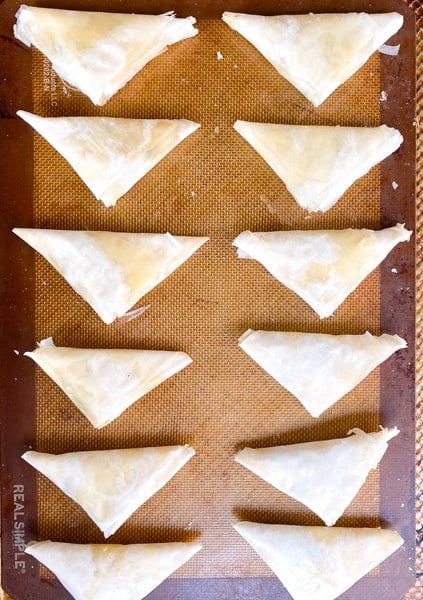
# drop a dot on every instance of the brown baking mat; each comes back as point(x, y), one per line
point(214, 184)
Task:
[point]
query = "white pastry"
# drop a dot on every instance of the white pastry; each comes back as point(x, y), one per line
point(111, 155)
point(318, 368)
point(112, 571)
point(322, 267)
point(110, 485)
point(111, 271)
point(99, 52)
point(316, 52)
point(326, 475)
point(103, 383)
point(319, 163)
point(319, 563)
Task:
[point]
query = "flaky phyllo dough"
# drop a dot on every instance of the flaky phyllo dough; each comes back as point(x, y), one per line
point(319, 563)
point(325, 475)
point(322, 267)
point(316, 52)
point(99, 52)
point(112, 571)
point(319, 163)
point(318, 368)
point(103, 383)
point(110, 485)
point(111, 155)
point(111, 271)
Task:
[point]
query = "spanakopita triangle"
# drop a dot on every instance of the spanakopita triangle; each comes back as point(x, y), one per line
point(319, 563)
point(322, 267)
point(319, 163)
point(326, 475)
point(99, 52)
point(316, 53)
point(111, 271)
point(111, 155)
point(103, 383)
point(111, 484)
point(318, 368)
point(113, 571)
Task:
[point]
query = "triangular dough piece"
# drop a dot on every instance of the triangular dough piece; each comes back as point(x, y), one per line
point(319, 163)
point(104, 383)
point(319, 563)
point(322, 267)
point(325, 476)
point(111, 154)
point(316, 52)
point(318, 368)
point(98, 52)
point(111, 271)
point(111, 484)
point(112, 571)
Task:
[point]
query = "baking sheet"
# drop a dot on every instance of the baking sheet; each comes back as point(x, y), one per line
point(212, 185)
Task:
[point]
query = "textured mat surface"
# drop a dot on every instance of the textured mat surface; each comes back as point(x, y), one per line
point(417, 592)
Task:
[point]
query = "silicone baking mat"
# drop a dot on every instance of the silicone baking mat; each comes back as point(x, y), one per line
point(213, 184)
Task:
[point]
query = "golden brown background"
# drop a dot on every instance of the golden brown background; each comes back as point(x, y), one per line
point(236, 414)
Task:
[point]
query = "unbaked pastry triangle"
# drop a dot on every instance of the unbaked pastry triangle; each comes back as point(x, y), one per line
point(318, 368)
point(319, 563)
point(316, 53)
point(103, 383)
point(111, 484)
point(111, 271)
point(325, 476)
point(111, 155)
point(319, 163)
point(112, 571)
point(99, 52)
point(322, 267)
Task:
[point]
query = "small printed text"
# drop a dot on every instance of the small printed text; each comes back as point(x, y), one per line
point(18, 534)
